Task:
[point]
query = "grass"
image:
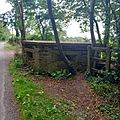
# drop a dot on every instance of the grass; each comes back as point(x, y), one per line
point(10, 47)
point(34, 103)
point(111, 93)
point(2, 41)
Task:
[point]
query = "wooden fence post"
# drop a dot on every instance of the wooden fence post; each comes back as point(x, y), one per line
point(108, 57)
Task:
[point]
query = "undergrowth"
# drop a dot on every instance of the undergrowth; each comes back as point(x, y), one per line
point(107, 88)
point(10, 47)
point(34, 103)
point(58, 75)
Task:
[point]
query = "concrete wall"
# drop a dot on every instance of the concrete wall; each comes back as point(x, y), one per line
point(43, 55)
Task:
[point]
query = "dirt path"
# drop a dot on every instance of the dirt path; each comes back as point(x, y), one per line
point(8, 106)
point(78, 92)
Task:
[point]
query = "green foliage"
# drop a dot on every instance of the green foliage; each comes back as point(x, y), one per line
point(18, 63)
point(36, 19)
point(112, 77)
point(110, 92)
point(4, 32)
point(114, 113)
point(12, 40)
point(9, 47)
point(100, 87)
point(76, 39)
point(58, 75)
point(34, 103)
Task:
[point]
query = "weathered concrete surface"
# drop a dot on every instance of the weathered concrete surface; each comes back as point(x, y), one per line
point(8, 105)
point(44, 55)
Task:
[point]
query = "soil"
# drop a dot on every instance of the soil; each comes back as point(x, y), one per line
point(76, 91)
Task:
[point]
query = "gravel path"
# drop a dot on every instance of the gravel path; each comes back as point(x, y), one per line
point(8, 105)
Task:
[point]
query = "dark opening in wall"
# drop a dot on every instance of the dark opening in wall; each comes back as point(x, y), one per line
point(48, 57)
point(29, 54)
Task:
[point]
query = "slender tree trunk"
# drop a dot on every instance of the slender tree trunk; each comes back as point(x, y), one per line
point(22, 23)
point(12, 34)
point(38, 24)
point(107, 22)
point(117, 26)
point(68, 63)
point(17, 32)
point(119, 49)
point(84, 3)
point(98, 31)
point(97, 26)
point(16, 39)
point(92, 5)
point(43, 31)
point(36, 18)
point(118, 34)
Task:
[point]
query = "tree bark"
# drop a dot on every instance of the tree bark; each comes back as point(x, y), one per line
point(22, 23)
point(97, 26)
point(68, 63)
point(43, 30)
point(98, 31)
point(117, 26)
point(92, 6)
point(107, 22)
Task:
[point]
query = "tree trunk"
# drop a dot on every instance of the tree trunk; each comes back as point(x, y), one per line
point(68, 63)
point(107, 22)
point(118, 34)
point(97, 26)
point(98, 31)
point(43, 31)
point(22, 23)
point(117, 26)
point(92, 5)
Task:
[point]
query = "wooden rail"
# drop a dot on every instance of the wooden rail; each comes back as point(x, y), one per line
point(92, 59)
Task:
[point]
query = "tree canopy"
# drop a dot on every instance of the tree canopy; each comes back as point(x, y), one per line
point(30, 19)
point(4, 32)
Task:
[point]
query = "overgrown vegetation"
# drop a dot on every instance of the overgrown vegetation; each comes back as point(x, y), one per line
point(9, 47)
point(107, 88)
point(4, 32)
point(35, 104)
point(58, 75)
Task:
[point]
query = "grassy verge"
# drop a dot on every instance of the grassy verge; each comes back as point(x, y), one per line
point(34, 103)
point(1, 41)
point(10, 47)
point(111, 92)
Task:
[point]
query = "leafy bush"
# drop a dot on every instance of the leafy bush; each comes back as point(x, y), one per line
point(59, 75)
point(100, 87)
